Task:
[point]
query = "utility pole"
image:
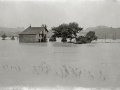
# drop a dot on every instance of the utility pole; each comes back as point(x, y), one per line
point(18, 35)
point(115, 35)
point(105, 37)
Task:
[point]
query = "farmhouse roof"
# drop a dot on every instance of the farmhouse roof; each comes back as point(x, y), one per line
point(32, 30)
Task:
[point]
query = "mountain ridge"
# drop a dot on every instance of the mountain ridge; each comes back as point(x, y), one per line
point(11, 31)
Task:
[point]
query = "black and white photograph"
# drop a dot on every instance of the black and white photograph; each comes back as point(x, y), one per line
point(59, 44)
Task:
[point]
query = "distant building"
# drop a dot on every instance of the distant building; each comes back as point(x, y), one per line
point(33, 35)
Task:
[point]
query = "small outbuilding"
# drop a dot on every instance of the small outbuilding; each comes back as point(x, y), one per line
point(33, 35)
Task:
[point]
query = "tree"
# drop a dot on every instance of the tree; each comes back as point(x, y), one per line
point(44, 39)
point(3, 36)
point(91, 36)
point(67, 31)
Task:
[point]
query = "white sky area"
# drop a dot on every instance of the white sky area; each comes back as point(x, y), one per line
point(87, 13)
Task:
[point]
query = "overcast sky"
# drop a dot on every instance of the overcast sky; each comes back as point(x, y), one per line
point(87, 13)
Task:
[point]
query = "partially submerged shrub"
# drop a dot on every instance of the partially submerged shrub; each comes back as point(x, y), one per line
point(52, 38)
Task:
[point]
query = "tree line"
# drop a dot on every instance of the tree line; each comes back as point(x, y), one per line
point(70, 31)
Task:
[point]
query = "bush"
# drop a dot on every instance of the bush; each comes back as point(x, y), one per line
point(52, 38)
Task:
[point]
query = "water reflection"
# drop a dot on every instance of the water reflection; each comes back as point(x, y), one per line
point(61, 44)
point(36, 44)
point(91, 45)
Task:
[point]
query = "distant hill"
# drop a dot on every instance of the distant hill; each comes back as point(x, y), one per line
point(10, 31)
point(109, 32)
point(94, 28)
point(101, 31)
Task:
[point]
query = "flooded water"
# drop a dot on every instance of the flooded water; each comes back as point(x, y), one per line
point(51, 64)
